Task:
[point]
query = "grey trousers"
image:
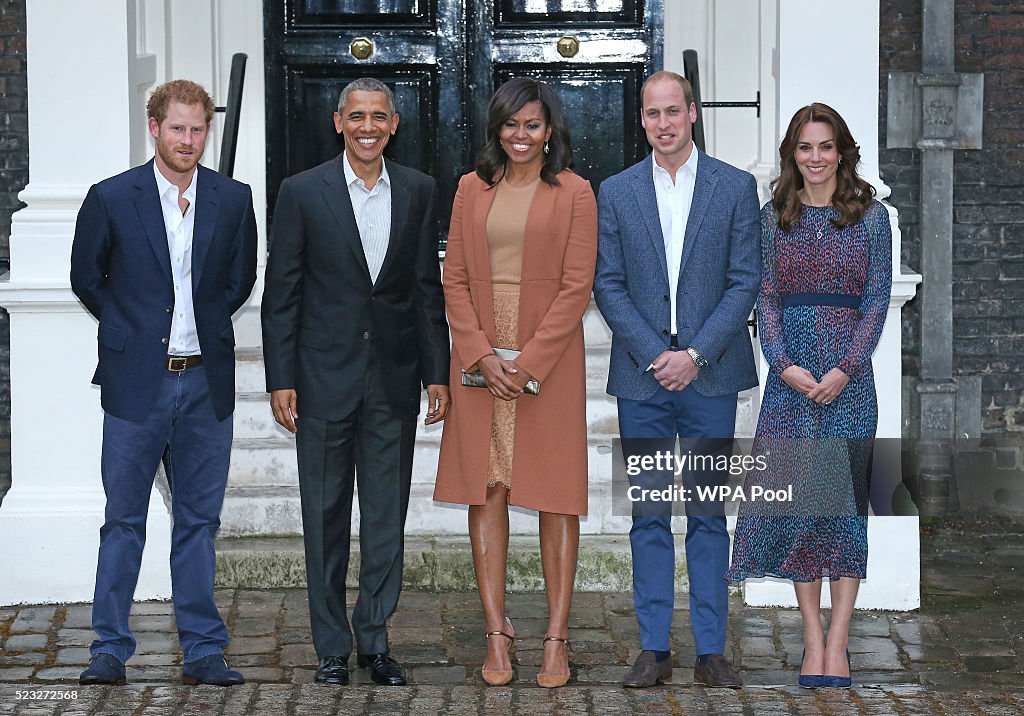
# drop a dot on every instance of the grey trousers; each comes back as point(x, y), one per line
point(372, 446)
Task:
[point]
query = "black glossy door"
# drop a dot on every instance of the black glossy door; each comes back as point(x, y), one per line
point(443, 58)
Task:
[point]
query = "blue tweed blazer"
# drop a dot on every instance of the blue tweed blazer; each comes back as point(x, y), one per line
point(717, 284)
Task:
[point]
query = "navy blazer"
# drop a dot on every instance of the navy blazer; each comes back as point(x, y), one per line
point(717, 283)
point(121, 271)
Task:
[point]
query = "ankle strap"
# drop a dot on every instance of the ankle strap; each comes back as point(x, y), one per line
point(501, 633)
point(555, 638)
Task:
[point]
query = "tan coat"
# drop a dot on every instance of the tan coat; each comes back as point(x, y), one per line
point(549, 466)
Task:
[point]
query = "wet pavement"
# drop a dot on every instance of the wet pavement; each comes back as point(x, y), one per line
point(963, 652)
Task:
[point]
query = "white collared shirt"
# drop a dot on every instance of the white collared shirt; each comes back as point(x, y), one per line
point(184, 340)
point(372, 209)
point(674, 200)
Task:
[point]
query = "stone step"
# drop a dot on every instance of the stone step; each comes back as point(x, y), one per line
point(434, 563)
point(249, 375)
point(262, 496)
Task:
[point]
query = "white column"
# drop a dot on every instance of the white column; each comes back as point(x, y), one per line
point(814, 68)
point(80, 100)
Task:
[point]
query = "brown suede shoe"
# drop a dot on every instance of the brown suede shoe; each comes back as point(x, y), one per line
point(647, 671)
point(717, 672)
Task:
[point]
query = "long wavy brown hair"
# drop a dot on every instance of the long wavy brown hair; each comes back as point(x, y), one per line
point(852, 196)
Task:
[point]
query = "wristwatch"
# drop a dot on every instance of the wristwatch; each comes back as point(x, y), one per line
point(698, 360)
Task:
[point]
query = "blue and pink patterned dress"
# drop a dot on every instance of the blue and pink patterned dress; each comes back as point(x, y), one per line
point(823, 301)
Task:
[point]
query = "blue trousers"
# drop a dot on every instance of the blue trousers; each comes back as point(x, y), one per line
point(665, 415)
point(200, 445)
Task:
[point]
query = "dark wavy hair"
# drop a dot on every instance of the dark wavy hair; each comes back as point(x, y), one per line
point(852, 196)
point(506, 101)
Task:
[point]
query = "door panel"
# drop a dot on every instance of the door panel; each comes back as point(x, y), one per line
point(442, 59)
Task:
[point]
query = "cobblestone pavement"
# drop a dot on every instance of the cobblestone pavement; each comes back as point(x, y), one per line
point(963, 652)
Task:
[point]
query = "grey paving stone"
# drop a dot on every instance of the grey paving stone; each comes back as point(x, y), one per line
point(254, 626)
point(77, 616)
point(59, 673)
point(143, 608)
point(261, 673)
point(156, 643)
point(74, 655)
point(33, 619)
point(25, 642)
point(298, 655)
point(252, 645)
point(26, 659)
point(454, 674)
point(75, 637)
point(15, 673)
point(152, 622)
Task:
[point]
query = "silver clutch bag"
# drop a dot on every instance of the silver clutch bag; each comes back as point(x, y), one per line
point(475, 379)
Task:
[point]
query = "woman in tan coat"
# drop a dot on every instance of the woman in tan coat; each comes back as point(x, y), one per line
point(518, 274)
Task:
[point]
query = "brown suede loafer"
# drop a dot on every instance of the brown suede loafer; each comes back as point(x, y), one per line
point(716, 672)
point(647, 671)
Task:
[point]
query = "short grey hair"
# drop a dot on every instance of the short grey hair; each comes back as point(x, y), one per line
point(366, 84)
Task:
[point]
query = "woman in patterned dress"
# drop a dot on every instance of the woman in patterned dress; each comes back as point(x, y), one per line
point(826, 280)
point(518, 274)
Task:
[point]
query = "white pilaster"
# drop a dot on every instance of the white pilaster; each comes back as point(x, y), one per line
point(846, 78)
point(79, 133)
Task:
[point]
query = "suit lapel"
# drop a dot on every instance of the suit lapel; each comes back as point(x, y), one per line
point(399, 217)
point(647, 202)
point(335, 193)
point(703, 191)
point(206, 209)
point(147, 203)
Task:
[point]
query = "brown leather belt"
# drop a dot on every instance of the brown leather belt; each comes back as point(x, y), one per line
point(179, 363)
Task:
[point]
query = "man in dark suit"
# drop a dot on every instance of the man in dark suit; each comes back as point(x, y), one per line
point(163, 255)
point(677, 273)
point(353, 325)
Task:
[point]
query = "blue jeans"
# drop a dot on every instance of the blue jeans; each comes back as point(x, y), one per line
point(200, 445)
point(665, 415)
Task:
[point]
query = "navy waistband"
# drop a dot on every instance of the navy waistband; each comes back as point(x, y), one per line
point(821, 299)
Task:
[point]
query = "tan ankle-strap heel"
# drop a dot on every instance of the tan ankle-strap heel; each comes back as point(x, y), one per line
point(499, 677)
point(553, 681)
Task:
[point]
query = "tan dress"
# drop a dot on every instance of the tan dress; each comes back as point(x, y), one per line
point(506, 229)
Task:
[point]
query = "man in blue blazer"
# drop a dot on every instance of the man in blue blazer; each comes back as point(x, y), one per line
point(163, 255)
point(678, 271)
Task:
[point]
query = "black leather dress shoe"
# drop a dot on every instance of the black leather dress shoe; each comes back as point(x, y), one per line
point(104, 669)
point(332, 670)
point(213, 670)
point(717, 672)
point(384, 670)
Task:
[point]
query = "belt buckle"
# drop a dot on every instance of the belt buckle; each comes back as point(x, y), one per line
point(182, 361)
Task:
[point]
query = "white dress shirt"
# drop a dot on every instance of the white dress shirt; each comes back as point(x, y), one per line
point(184, 341)
point(372, 209)
point(674, 200)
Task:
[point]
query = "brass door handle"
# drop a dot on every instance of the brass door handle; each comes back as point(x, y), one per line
point(361, 48)
point(568, 46)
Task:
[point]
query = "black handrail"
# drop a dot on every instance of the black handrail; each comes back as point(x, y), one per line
point(229, 140)
point(691, 71)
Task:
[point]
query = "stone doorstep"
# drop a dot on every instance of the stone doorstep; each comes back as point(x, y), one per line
point(440, 563)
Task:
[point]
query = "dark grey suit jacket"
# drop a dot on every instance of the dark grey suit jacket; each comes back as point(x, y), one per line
point(321, 313)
